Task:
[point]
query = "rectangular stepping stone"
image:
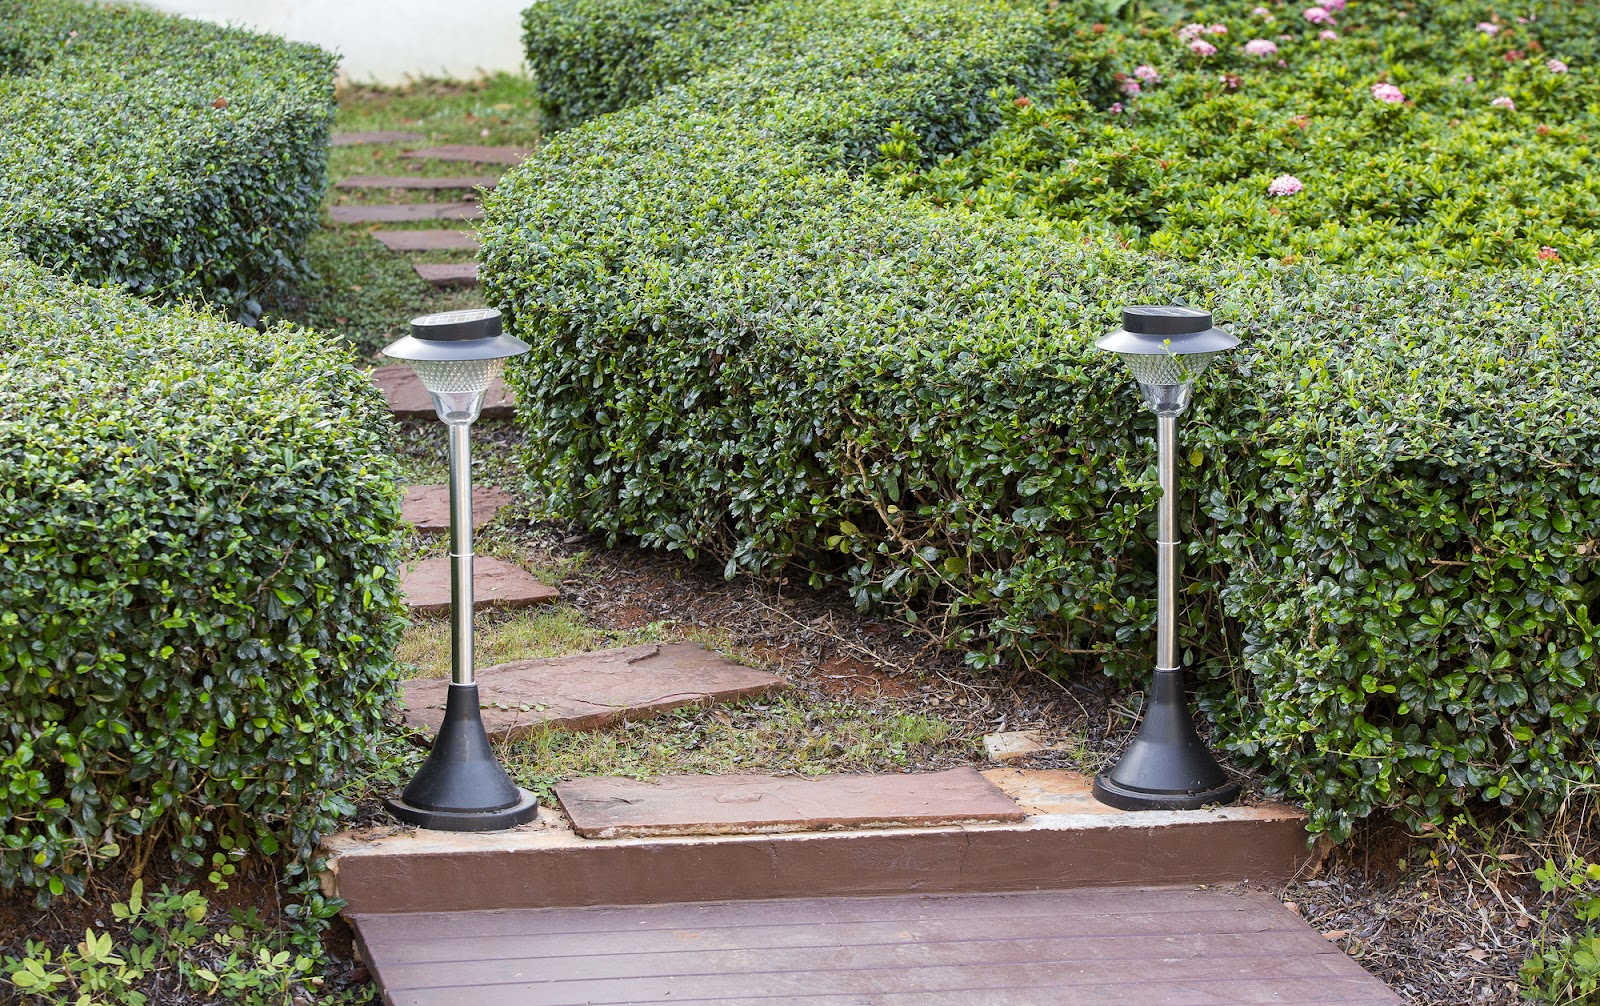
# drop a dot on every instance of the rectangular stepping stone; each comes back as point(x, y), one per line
point(406, 213)
point(416, 182)
point(591, 690)
point(448, 273)
point(495, 584)
point(745, 804)
point(427, 508)
point(379, 136)
point(409, 400)
point(473, 154)
point(428, 240)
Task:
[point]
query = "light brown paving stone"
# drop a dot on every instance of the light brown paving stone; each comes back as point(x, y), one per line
point(427, 240)
point(472, 154)
point(1013, 744)
point(381, 136)
point(1051, 791)
point(405, 213)
point(495, 584)
point(588, 691)
point(448, 273)
point(744, 804)
point(427, 508)
point(432, 240)
point(416, 182)
point(409, 400)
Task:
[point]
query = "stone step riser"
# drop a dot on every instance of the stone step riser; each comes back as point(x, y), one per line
point(553, 867)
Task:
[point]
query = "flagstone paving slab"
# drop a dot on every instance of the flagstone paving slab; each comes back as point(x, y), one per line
point(378, 136)
point(429, 240)
point(495, 584)
point(406, 212)
point(416, 182)
point(473, 154)
point(409, 400)
point(448, 273)
point(591, 690)
point(750, 804)
point(427, 508)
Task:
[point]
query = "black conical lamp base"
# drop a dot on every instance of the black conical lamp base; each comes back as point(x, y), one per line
point(1167, 766)
point(461, 787)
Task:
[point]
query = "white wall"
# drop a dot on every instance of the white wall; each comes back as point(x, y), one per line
point(384, 41)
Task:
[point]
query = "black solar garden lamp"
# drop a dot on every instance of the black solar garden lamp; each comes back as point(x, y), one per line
point(460, 787)
point(1167, 766)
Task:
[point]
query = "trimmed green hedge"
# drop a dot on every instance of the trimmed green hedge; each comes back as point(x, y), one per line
point(171, 157)
point(198, 603)
point(745, 349)
point(595, 56)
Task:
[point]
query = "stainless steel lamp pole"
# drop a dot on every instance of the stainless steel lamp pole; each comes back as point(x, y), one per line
point(461, 787)
point(1166, 767)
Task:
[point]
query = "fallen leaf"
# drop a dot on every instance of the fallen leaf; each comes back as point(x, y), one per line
point(1478, 955)
point(220, 103)
point(1337, 934)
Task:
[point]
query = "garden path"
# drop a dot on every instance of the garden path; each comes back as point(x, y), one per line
point(697, 861)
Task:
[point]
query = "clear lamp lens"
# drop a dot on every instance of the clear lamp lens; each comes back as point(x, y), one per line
point(457, 387)
point(1167, 369)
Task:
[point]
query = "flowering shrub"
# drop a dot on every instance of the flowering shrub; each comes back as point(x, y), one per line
point(1440, 134)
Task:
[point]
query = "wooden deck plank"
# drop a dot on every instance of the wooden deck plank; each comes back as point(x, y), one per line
point(1151, 947)
point(417, 945)
point(880, 951)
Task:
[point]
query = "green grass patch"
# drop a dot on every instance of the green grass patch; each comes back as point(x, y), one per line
point(527, 634)
point(787, 734)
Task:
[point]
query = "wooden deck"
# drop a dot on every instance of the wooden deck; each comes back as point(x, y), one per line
point(1127, 947)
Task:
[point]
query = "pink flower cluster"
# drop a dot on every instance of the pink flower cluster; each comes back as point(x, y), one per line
point(1202, 47)
point(1147, 73)
point(1264, 14)
point(1328, 35)
point(1488, 27)
point(1284, 185)
point(1190, 32)
point(1388, 93)
point(1504, 102)
point(1317, 15)
point(1548, 254)
point(1260, 47)
point(1556, 66)
point(1334, 5)
point(1131, 88)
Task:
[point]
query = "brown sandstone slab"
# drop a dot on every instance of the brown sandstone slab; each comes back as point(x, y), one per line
point(448, 273)
point(406, 212)
point(495, 584)
point(427, 508)
point(749, 804)
point(416, 182)
point(378, 136)
point(432, 240)
point(588, 691)
point(409, 400)
point(473, 154)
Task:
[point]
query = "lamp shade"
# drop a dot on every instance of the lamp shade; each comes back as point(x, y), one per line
point(456, 355)
point(1166, 347)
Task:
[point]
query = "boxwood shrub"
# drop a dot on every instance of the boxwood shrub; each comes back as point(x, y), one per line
point(197, 598)
point(747, 348)
point(595, 56)
point(171, 157)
